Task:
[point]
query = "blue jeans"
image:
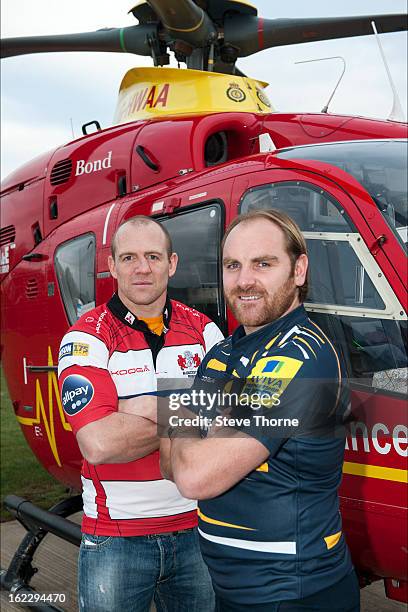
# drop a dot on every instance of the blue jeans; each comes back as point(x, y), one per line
point(123, 574)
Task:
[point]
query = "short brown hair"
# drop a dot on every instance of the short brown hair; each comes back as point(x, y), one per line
point(143, 220)
point(295, 242)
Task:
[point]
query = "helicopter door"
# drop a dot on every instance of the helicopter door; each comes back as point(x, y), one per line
point(352, 300)
point(26, 315)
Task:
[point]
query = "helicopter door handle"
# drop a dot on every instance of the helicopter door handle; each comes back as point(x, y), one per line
point(147, 160)
point(36, 369)
point(34, 257)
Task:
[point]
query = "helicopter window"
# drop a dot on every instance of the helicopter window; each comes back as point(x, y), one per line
point(75, 269)
point(375, 350)
point(337, 276)
point(311, 207)
point(196, 236)
point(348, 293)
point(380, 166)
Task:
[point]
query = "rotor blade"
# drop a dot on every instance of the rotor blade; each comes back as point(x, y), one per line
point(252, 34)
point(133, 39)
point(184, 20)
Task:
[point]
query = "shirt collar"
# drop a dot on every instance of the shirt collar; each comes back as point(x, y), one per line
point(121, 312)
point(296, 316)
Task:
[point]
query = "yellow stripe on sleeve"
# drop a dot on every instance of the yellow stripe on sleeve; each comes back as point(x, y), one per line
point(272, 342)
point(214, 364)
point(314, 333)
point(253, 356)
point(306, 343)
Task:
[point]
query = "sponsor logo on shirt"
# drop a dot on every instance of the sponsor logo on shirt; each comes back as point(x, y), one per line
point(99, 321)
point(130, 318)
point(187, 309)
point(272, 375)
point(144, 368)
point(188, 362)
point(278, 367)
point(75, 349)
point(77, 391)
point(65, 351)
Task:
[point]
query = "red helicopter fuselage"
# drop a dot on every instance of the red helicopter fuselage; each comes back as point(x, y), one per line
point(196, 174)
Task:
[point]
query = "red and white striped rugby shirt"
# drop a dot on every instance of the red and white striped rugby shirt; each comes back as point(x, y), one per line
point(107, 355)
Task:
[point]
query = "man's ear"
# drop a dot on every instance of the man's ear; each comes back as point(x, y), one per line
point(112, 266)
point(173, 261)
point(301, 266)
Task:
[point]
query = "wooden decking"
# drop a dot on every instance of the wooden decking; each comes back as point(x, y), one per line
point(56, 561)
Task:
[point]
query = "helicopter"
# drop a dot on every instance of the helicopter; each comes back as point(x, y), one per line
point(194, 148)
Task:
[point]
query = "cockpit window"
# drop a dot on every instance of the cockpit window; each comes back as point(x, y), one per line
point(75, 269)
point(380, 166)
point(196, 236)
point(349, 297)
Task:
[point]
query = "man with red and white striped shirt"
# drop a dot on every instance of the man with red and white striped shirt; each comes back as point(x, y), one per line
point(139, 534)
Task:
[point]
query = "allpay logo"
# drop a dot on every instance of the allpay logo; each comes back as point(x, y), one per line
point(77, 391)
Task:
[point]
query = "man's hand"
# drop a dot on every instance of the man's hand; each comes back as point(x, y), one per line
point(142, 405)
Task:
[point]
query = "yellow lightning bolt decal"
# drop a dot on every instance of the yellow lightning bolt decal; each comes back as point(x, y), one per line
point(41, 413)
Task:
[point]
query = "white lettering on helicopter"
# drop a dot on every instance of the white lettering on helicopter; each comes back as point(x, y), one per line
point(380, 434)
point(93, 166)
point(5, 257)
point(144, 98)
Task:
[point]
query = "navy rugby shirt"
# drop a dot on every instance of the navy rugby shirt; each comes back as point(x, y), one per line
point(277, 535)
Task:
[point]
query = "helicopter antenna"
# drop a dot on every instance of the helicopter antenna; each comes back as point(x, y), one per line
point(322, 59)
point(396, 114)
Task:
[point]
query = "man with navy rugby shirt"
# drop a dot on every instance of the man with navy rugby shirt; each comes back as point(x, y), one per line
point(140, 538)
point(267, 479)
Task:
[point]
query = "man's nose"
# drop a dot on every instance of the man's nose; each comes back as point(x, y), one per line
point(246, 278)
point(141, 266)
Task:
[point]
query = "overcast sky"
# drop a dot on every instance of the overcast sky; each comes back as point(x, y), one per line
point(41, 94)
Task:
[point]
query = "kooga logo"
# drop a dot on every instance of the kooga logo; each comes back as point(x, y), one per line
point(93, 166)
point(77, 391)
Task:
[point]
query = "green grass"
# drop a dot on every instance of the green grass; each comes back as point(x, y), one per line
point(21, 473)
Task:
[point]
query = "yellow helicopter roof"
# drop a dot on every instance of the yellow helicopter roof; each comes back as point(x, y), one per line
point(158, 92)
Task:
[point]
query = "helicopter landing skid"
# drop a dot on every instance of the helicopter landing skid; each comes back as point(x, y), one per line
point(37, 522)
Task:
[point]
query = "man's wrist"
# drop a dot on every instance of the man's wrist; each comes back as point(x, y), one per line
point(182, 431)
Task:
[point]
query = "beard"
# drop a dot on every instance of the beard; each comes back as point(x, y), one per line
point(270, 308)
